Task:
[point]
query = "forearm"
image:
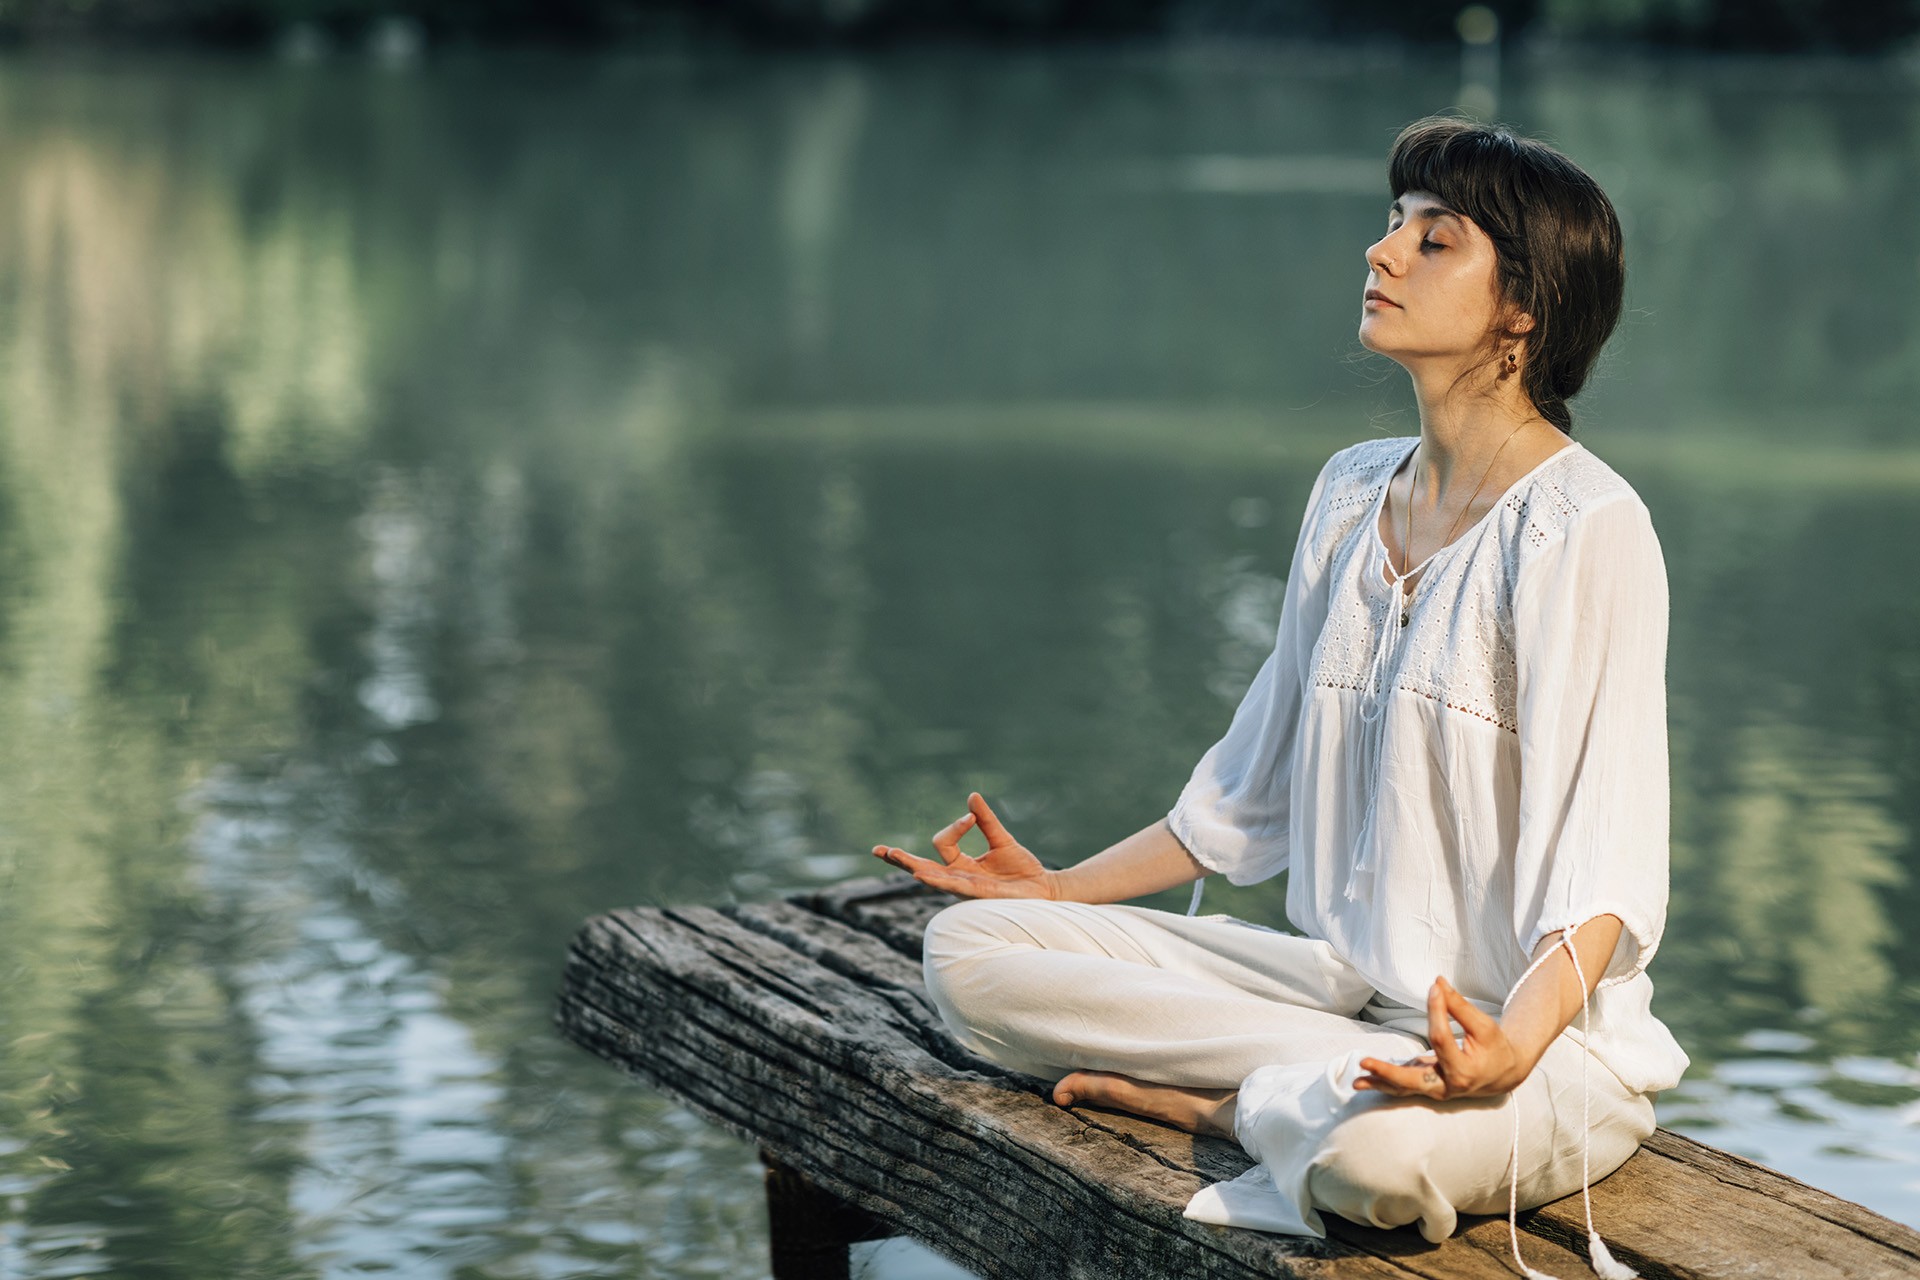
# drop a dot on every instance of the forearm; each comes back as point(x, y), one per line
point(1148, 861)
point(1547, 1003)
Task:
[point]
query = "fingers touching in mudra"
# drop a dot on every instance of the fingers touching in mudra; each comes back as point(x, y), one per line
point(1006, 870)
point(1485, 1064)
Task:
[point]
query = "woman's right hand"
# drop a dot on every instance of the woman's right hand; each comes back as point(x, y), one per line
point(1006, 870)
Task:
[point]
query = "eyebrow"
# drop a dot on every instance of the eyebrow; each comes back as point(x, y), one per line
point(1430, 212)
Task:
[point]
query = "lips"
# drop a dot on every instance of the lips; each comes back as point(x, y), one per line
point(1374, 295)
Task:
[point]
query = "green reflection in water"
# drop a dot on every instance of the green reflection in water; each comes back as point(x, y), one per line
point(436, 507)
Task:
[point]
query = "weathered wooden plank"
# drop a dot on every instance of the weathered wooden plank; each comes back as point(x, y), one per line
point(1670, 1208)
point(1099, 1203)
point(1049, 1192)
point(848, 1142)
point(803, 1025)
point(892, 908)
point(1747, 1175)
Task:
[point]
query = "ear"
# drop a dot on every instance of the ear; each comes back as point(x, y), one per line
point(1511, 318)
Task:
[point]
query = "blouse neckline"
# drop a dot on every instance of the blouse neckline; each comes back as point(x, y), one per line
point(1386, 485)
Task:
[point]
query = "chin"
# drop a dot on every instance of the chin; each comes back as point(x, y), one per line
point(1367, 340)
point(1391, 353)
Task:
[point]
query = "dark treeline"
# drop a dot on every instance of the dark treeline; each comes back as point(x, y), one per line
point(311, 26)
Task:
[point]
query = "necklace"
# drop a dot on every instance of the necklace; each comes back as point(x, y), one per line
point(1406, 546)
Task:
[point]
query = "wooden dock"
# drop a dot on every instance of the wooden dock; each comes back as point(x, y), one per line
point(803, 1025)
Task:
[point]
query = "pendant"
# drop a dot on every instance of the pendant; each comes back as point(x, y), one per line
point(1403, 618)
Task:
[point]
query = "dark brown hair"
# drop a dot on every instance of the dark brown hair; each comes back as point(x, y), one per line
point(1555, 235)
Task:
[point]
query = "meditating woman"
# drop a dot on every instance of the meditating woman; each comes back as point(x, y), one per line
point(1457, 750)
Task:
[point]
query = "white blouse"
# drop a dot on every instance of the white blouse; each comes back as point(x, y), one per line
point(1447, 791)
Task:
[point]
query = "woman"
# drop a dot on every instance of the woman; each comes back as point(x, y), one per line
point(1457, 749)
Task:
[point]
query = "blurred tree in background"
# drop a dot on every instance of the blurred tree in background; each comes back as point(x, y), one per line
point(312, 26)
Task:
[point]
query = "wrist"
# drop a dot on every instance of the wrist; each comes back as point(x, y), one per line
point(1515, 1077)
point(1528, 1049)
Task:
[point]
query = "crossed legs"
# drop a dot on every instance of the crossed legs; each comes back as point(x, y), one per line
point(1132, 1009)
point(1165, 1015)
point(1051, 988)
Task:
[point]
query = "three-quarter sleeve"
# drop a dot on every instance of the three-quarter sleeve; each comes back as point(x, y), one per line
point(1233, 813)
point(1590, 641)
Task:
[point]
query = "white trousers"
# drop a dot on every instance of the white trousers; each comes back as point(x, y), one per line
point(1217, 1003)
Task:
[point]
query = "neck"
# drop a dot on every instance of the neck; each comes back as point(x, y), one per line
point(1461, 431)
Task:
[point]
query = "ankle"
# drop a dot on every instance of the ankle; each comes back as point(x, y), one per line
point(1220, 1121)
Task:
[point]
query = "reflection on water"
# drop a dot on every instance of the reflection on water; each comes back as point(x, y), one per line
point(437, 506)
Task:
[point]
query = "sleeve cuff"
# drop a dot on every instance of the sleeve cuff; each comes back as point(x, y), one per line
point(1638, 941)
point(1183, 832)
point(1247, 868)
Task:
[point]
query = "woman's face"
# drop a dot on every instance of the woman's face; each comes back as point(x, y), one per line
point(1436, 272)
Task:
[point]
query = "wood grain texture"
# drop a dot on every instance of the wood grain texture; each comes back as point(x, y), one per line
point(804, 1026)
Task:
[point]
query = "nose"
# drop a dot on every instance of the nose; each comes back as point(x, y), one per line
point(1377, 257)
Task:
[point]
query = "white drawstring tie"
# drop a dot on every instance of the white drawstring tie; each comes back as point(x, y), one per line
point(1599, 1257)
point(1365, 742)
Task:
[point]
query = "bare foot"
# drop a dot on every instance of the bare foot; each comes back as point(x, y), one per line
point(1204, 1111)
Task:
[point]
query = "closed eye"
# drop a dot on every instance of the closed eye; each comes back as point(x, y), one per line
point(1424, 244)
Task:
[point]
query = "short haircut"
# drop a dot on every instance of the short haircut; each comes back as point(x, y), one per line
point(1555, 233)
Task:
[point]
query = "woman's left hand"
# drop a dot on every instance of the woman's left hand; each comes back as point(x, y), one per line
point(1485, 1064)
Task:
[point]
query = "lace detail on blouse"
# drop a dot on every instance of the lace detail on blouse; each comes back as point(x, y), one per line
point(1353, 480)
point(1458, 647)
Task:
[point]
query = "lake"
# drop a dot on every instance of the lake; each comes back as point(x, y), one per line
point(439, 502)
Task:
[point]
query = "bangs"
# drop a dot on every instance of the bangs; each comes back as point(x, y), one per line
point(1473, 170)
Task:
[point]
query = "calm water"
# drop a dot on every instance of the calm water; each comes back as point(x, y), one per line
point(436, 505)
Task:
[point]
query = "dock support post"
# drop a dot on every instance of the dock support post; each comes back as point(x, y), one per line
point(809, 1228)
